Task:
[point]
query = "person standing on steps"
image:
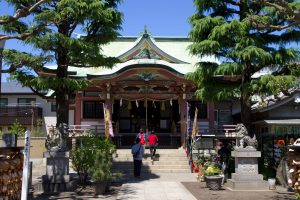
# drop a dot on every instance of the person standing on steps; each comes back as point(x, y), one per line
point(152, 141)
point(137, 151)
point(142, 137)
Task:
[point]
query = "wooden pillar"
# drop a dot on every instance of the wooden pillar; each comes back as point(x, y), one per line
point(211, 115)
point(78, 103)
point(183, 120)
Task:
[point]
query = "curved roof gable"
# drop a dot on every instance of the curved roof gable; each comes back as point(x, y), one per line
point(145, 48)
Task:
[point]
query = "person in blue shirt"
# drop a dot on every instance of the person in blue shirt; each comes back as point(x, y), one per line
point(137, 151)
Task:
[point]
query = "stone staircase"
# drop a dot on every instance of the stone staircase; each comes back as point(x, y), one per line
point(166, 161)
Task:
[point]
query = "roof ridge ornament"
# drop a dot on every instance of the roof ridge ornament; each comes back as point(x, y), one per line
point(145, 34)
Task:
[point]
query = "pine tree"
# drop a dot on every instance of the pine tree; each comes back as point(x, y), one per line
point(289, 10)
point(99, 20)
point(15, 28)
point(225, 29)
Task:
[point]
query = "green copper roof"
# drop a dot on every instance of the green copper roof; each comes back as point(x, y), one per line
point(146, 49)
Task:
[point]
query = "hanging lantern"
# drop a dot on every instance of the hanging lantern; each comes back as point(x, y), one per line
point(121, 102)
point(129, 105)
point(137, 103)
point(163, 107)
point(171, 102)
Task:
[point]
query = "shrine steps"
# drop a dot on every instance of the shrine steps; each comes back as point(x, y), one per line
point(166, 161)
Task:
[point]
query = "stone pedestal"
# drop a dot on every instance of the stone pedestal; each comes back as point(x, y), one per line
point(57, 178)
point(246, 175)
point(9, 140)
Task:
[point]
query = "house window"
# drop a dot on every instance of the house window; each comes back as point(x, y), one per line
point(26, 101)
point(92, 93)
point(202, 110)
point(3, 102)
point(93, 110)
point(53, 107)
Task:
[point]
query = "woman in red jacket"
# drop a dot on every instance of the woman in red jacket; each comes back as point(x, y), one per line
point(152, 141)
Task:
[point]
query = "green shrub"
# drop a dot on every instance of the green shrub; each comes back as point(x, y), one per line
point(37, 129)
point(17, 128)
point(93, 157)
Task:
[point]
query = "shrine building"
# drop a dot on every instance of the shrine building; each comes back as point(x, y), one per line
point(147, 89)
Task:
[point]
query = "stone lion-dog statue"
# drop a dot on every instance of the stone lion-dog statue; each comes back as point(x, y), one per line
point(243, 136)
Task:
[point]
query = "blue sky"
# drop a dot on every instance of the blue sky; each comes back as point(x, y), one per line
point(162, 18)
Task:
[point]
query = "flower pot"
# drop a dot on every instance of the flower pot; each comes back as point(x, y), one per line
point(100, 187)
point(213, 182)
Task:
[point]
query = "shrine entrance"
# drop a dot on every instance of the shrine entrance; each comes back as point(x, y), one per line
point(159, 116)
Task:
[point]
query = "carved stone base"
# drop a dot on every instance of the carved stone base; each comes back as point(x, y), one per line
point(42, 187)
point(246, 168)
point(247, 185)
point(57, 178)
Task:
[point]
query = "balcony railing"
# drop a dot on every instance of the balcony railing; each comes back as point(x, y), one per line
point(23, 113)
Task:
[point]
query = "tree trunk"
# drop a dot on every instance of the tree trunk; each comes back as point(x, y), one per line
point(246, 100)
point(62, 93)
point(62, 115)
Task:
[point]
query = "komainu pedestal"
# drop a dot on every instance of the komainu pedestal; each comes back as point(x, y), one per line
point(57, 178)
point(246, 175)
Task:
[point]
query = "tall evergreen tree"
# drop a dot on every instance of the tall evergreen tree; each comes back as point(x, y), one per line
point(225, 29)
point(99, 20)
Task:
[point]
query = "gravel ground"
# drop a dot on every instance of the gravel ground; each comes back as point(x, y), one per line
point(201, 192)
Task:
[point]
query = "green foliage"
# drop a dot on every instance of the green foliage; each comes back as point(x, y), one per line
point(37, 129)
point(225, 29)
point(297, 195)
point(212, 170)
point(93, 158)
point(54, 40)
point(17, 128)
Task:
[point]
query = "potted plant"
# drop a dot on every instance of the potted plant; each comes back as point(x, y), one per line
point(203, 161)
point(93, 160)
point(213, 177)
point(10, 138)
point(102, 174)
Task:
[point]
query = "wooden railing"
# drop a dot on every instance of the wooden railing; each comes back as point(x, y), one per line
point(81, 130)
point(218, 131)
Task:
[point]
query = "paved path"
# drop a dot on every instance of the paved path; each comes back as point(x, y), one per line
point(164, 186)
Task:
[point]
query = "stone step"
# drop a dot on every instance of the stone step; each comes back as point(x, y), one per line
point(148, 155)
point(178, 159)
point(149, 165)
point(157, 171)
point(176, 162)
point(147, 149)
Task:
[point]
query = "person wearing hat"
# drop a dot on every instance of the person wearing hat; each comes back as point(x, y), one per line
point(152, 141)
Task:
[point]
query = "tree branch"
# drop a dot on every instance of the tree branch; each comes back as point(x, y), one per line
point(37, 92)
point(285, 10)
point(24, 12)
point(24, 35)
